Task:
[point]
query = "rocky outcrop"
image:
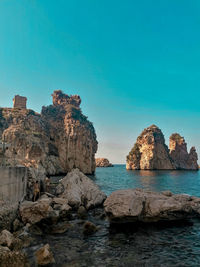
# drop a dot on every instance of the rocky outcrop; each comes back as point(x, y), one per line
point(103, 162)
point(57, 140)
point(79, 190)
point(137, 205)
point(150, 152)
point(179, 154)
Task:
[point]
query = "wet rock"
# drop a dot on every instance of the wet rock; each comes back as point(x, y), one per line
point(137, 205)
point(79, 190)
point(17, 225)
point(82, 212)
point(58, 228)
point(89, 228)
point(44, 256)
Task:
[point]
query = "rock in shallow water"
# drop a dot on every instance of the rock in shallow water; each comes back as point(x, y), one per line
point(138, 205)
point(79, 190)
point(44, 256)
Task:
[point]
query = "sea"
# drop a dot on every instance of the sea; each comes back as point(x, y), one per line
point(133, 245)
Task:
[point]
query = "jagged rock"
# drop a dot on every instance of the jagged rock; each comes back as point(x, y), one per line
point(33, 212)
point(138, 205)
point(178, 152)
point(79, 190)
point(150, 152)
point(56, 141)
point(103, 162)
point(44, 256)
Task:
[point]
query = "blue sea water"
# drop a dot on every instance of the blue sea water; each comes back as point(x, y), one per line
point(139, 246)
point(117, 177)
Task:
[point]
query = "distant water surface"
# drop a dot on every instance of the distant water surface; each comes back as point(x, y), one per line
point(117, 177)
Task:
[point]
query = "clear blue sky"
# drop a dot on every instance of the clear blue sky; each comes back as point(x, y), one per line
point(134, 63)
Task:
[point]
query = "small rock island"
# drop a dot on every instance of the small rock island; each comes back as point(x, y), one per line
point(103, 162)
point(151, 153)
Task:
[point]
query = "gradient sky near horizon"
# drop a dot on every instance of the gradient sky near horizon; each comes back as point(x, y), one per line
point(134, 63)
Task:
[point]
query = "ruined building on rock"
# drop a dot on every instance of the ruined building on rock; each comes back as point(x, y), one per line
point(19, 102)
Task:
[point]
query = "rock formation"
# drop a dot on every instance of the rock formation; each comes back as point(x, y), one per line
point(150, 152)
point(138, 205)
point(179, 154)
point(103, 162)
point(57, 140)
point(79, 190)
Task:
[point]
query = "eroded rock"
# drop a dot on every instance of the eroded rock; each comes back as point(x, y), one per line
point(44, 256)
point(103, 162)
point(138, 205)
point(80, 190)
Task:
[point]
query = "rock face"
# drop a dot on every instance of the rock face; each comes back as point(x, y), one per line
point(150, 152)
point(79, 190)
point(57, 140)
point(103, 162)
point(137, 205)
point(179, 154)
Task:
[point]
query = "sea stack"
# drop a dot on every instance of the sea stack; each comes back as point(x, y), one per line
point(151, 153)
point(179, 154)
point(57, 140)
point(103, 162)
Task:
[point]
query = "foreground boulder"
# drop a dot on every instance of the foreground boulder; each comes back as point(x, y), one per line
point(103, 162)
point(137, 205)
point(80, 190)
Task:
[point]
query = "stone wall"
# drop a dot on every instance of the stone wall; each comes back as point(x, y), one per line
point(19, 102)
point(13, 182)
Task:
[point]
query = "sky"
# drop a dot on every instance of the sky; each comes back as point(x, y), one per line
point(134, 63)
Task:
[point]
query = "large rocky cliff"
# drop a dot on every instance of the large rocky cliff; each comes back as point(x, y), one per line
point(151, 153)
point(57, 140)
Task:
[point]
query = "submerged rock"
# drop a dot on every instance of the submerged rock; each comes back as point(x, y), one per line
point(138, 205)
point(103, 162)
point(80, 190)
point(150, 152)
point(179, 154)
point(44, 256)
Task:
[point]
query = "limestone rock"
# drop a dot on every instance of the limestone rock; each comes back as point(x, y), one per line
point(33, 212)
point(12, 258)
point(57, 140)
point(79, 190)
point(89, 228)
point(103, 162)
point(150, 152)
point(179, 154)
point(138, 205)
point(44, 256)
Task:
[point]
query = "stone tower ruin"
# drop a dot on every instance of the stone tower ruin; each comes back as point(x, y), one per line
point(19, 102)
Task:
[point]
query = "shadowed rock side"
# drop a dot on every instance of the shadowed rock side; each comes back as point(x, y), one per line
point(57, 140)
point(179, 154)
point(150, 152)
point(138, 205)
point(103, 162)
